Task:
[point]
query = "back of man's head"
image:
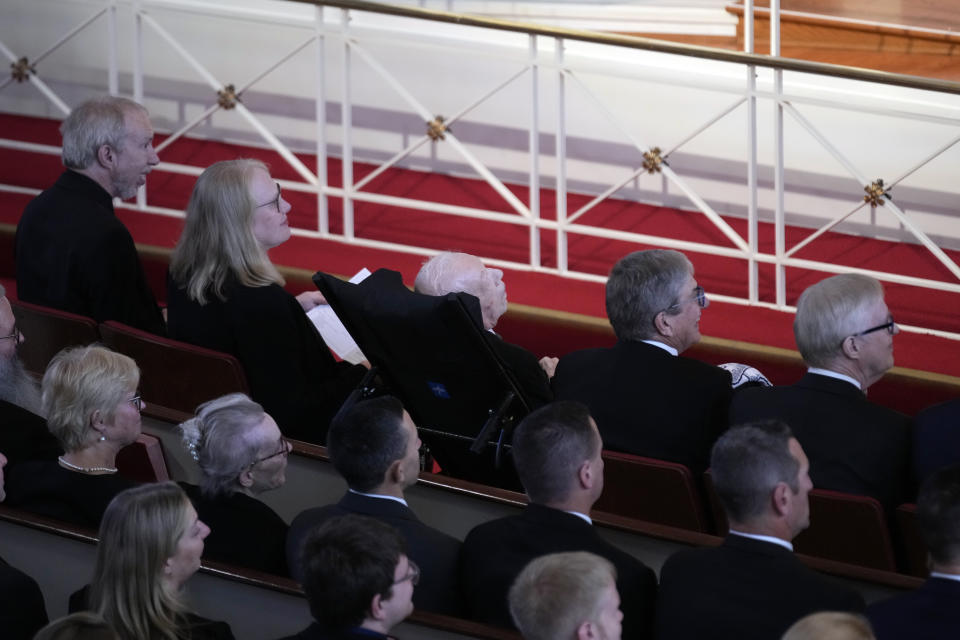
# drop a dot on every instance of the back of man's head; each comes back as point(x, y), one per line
point(96, 122)
point(938, 513)
point(830, 625)
point(641, 285)
point(346, 562)
point(549, 446)
point(747, 463)
point(556, 594)
point(831, 310)
point(365, 440)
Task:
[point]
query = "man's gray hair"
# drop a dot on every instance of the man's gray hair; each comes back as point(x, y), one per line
point(96, 122)
point(830, 311)
point(748, 462)
point(641, 285)
point(439, 276)
point(224, 440)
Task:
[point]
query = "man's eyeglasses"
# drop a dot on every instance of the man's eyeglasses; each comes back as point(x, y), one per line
point(413, 574)
point(891, 328)
point(275, 202)
point(699, 295)
point(15, 336)
point(137, 402)
point(284, 450)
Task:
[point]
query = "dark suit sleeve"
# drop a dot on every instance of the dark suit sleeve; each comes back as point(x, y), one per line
point(22, 610)
point(638, 597)
point(118, 285)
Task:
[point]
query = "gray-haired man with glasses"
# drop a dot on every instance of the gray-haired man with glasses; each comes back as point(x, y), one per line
point(845, 333)
point(646, 398)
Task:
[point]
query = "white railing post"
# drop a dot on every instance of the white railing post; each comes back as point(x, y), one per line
point(113, 73)
point(753, 287)
point(561, 153)
point(779, 220)
point(138, 79)
point(534, 203)
point(346, 124)
point(323, 221)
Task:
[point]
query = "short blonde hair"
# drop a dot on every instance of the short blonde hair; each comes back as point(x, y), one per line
point(80, 381)
point(217, 240)
point(556, 593)
point(830, 625)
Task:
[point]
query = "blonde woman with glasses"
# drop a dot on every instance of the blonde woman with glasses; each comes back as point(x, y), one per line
point(223, 293)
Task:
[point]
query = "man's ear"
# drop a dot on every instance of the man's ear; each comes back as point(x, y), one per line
point(781, 498)
point(850, 347)
point(246, 477)
point(586, 475)
point(587, 631)
point(395, 473)
point(106, 156)
point(377, 610)
point(662, 323)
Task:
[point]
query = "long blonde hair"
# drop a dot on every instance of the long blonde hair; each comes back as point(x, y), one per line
point(139, 532)
point(217, 241)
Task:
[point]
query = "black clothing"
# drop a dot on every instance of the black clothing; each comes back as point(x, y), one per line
point(854, 446)
point(22, 610)
point(45, 488)
point(745, 589)
point(73, 254)
point(494, 553)
point(290, 370)
point(243, 531)
point(649, 402)
point(435, 552)
point(24, 436)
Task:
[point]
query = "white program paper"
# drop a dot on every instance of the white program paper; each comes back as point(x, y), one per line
point(334, 333)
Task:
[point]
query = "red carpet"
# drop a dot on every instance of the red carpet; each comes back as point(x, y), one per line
point(509, 242)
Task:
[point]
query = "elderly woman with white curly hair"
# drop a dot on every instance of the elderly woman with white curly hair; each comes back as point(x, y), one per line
point(241, 454)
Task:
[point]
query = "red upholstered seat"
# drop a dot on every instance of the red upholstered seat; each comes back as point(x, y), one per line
point(651, 490)
point(47, 331)
point(175, 375)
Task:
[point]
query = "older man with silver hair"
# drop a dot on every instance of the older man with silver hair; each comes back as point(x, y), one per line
point(844, 332)
point(646, 398)
point(23, 431)
point(452, 272)
point(72, 253)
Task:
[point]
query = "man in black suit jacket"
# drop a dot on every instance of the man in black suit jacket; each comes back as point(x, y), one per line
point(646, 398)
point(71, 251)
point(845, 334)
point(936, 438)
point(556, 450)
point(931, 611)
point(751, 586)
point(375, 447)
point(451, 272)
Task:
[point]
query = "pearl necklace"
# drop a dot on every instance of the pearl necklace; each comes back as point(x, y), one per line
point(92, 470)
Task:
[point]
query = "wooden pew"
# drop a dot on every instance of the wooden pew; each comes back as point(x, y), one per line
point(47, 331)
point(257, 606)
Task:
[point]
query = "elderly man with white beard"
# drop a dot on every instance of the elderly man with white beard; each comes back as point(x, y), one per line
point(23, 431)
